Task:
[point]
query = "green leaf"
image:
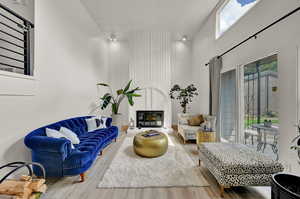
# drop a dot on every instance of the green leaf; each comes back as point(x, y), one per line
point(114, 108)
point(105, 96)
point(136, 95)
point(102, 84)
point(134, 90)
point(127, 86)
point(130, 100)
point(120, 92)
point(105, 100)
point(133, 95)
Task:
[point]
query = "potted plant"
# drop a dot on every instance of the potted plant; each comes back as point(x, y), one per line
point(115, 100)
point(296, 142)
point(183, 95)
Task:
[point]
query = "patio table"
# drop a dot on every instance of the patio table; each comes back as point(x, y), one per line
point(263, 132)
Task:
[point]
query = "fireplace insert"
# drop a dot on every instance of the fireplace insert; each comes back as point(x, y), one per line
point(149, 119)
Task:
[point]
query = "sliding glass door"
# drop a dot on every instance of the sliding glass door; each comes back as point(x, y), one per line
point(228, 107)
point(249, 105)
point(260, 107)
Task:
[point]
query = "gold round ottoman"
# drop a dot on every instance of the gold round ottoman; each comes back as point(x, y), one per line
point(150, 146)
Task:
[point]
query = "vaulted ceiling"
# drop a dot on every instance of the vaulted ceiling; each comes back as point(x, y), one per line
point(176, 16)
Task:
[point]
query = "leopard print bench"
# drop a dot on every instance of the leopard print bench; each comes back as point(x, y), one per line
point(237, 165)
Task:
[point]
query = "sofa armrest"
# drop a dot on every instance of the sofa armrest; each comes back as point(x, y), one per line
point(48, 144)
point(77, 159)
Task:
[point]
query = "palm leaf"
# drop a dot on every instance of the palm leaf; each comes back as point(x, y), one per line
point(295, 138)
point(103, 84)
point(130, 100)
point(136, 95)
point(134, 90)
point(127, 86)
point(106, 100)
point(133, 95)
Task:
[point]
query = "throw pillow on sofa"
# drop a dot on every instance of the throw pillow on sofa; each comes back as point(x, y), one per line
point(91, 124)
point(70, 135)
point(56, 134)
point(101, 122)
point(196, 120)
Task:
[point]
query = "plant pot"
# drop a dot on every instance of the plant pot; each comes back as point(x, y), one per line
point(285, 186)
point(183, 114)
point(117, 120)
point(183, 118)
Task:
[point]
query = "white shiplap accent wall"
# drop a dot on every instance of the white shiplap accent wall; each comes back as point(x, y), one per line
point(150, 69)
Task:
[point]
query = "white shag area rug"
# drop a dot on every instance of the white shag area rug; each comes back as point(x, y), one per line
point(174, 169)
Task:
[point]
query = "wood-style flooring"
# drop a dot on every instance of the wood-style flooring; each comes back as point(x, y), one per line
point(68, 188)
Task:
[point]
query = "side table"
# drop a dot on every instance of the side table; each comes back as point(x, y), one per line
point(205, 136)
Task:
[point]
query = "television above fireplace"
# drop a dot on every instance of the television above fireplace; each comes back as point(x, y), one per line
point(149, 119)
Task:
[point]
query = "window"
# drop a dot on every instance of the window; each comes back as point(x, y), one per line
point(16, 42)
point(230, 12)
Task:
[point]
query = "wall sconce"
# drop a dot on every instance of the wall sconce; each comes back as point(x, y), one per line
point(112, 38)
point(184, 38)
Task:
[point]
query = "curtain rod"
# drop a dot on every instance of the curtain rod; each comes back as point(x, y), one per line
point(259, 32)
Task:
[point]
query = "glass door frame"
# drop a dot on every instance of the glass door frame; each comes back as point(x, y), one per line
point(298, 85)
point(237, 102)
point(240, 103)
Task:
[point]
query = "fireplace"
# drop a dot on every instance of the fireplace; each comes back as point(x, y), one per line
point(149, 119)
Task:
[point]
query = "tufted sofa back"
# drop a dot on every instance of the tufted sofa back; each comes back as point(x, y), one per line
point(77, 125)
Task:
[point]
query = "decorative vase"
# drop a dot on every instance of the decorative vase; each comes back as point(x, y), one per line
point(184, 108)
point(183, 118)
point(117, 120)
point(131, 124)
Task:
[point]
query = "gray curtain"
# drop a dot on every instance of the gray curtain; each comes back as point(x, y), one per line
point(215, 67)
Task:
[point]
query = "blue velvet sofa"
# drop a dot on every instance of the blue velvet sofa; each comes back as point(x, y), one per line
point(57, 155)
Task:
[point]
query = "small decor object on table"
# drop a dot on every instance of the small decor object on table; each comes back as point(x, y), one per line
point(268, 123)
point(25, 187)
point(115, 100)
point(131, 124)
point(183, 95)
point(150, 144)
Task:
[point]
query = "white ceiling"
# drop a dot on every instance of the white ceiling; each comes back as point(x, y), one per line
point(177, 16)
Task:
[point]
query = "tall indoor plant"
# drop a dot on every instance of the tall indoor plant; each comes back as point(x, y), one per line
point(115, 100)
point(183, 95)
point(296, 142)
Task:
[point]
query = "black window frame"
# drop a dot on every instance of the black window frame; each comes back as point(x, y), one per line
point(23, 28)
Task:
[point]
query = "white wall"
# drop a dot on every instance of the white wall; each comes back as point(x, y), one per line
point(182, 74)
point(119, 61)
point(70, 59)
point(150, 69)
point(283, 38)
point(118, 56)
